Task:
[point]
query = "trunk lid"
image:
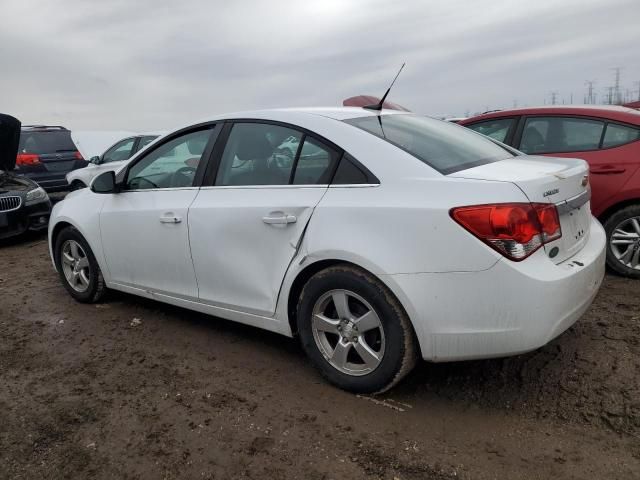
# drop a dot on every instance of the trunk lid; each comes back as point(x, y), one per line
point(9, 139)
point(563, 182)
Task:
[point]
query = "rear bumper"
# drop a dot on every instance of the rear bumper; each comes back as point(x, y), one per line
point(30, 218)
point(508, 309)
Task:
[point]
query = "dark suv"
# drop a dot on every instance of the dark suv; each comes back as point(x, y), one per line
point(46, 154)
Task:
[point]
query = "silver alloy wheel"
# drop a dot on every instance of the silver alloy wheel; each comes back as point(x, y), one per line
point(625, 242)
point(348, 332)
point(75, 265)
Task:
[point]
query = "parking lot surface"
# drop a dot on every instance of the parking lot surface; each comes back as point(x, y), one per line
point(137, 389)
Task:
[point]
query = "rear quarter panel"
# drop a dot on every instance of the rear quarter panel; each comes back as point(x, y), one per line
point(405, 227)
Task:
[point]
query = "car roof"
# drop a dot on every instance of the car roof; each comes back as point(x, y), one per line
point(43, 128)
point(336, 113)
point(610, 112)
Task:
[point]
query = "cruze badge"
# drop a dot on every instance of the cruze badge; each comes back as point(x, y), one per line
point(551, 192)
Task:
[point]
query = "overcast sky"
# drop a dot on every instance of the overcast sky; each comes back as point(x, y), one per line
point(156, 64)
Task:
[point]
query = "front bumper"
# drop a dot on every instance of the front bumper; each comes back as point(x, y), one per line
point(508, 309)
point(27, 218)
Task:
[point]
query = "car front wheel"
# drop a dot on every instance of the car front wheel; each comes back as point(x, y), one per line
point(78, 268)
point(623, 234)
point(355, 331)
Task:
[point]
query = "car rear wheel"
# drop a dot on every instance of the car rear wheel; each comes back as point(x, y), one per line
point(355, 331)
point(78, 268)
point(623, 234)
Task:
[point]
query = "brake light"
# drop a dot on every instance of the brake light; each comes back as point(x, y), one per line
point(516, 230)
point(26, 159)
point(549, 221)
point(78, 155)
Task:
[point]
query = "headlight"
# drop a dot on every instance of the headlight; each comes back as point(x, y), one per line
point(36, 195)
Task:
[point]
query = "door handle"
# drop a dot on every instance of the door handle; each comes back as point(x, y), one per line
point(607, 170)
point(279, 218)
point(170, 218)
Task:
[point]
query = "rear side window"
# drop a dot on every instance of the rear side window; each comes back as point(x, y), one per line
point(315, 164)
point(348, 173)
point(442, 145)
point(619, 135)
point(560, 134)
point(46, 142)
point(258, 154)
point(496, 129)
point(144, 141)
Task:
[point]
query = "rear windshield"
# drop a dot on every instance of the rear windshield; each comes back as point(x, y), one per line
point(46, 142)
point(442, 145)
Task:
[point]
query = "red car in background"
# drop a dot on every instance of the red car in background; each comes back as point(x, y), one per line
point(608, 138)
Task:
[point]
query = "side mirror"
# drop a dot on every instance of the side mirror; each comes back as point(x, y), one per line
point(105, 183)
point(95, 160)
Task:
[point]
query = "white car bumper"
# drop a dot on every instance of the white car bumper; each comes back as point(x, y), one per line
point(508, 309)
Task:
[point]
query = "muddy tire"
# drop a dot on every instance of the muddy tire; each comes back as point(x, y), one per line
point(78, 268)
point(623, 241)
point(355, 331)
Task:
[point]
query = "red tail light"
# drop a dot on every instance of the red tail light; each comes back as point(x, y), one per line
point(516, 230)
point(78, 156)
point(27, 159)
point(549, 221)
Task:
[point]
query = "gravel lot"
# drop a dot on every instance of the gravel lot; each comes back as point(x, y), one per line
point(89, 392)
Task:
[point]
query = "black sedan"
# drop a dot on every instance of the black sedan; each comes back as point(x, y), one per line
point(24, 205)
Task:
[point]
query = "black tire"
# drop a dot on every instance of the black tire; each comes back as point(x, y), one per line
point(400, 350)
point(96, 289)
point(610, 225)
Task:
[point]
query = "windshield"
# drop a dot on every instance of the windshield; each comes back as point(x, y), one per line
point(442, 145)
point(46, 142)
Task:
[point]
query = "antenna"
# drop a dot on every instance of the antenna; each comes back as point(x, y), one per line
point(378, 106)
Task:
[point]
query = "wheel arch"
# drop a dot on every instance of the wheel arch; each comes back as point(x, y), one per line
point(303, 276)
point(78, 182)
point(55, 232)
point(610, 210)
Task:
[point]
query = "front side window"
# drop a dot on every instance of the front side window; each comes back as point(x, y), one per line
point(619, 135)
point(171, 165)
point(258, 154)
point(560, 134)
point(496, 129)
point(444, 146)
point(120, 151)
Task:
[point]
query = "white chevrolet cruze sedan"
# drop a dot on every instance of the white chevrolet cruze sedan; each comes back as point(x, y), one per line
point(382, 237)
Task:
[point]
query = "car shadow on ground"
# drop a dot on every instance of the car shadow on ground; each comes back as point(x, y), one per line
point(585, 375)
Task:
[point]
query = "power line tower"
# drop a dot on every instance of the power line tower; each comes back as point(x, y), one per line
point(617, 98)
point(610, 92)
point(554, 97)
point(590, 99)
point(638, 85)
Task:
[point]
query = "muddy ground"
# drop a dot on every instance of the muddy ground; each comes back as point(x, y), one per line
point(86, 393)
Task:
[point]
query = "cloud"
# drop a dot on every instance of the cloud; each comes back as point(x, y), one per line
point(157, 64)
